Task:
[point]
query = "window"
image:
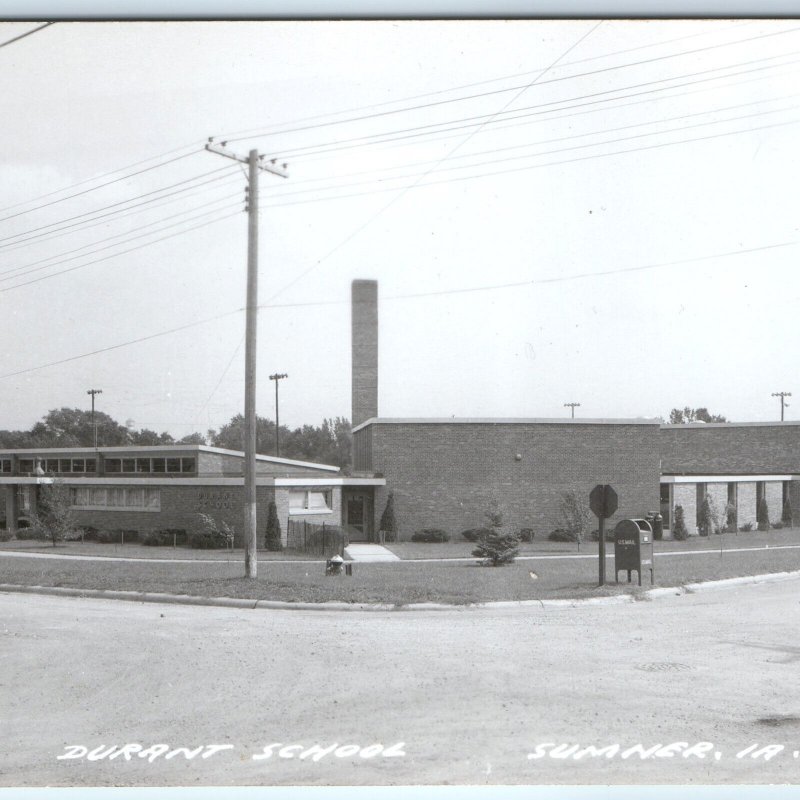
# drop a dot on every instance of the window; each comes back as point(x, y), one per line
point(158, 465)
point(187, 465)
point(129, 465)
point(310, 501)
point(113, 465)
point(5, 465)
point(91, 465)
point(143, 465)
point(78, 465)
point(173, 465)
point(26, 465)
point(116, 499)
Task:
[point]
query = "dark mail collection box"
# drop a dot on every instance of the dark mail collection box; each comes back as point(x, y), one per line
point(633, 548)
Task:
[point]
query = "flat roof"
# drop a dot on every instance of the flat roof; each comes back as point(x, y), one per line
point(170, 448)
point(775, 424)
point(502, 421)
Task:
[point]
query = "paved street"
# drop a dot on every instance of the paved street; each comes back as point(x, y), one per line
point(466, 695)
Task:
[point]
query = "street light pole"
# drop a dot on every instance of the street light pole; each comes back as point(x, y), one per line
point(277, 378)
point(93, 392)
point(783, 396)
point(572, 407)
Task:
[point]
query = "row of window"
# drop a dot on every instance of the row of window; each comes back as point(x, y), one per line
point(133, 498)
point(114, 465)
point(310, 501)
point(139, 465)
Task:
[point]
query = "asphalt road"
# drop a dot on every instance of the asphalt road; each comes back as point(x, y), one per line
point(459, 697)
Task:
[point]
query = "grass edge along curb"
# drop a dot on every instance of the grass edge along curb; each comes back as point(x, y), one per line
point(251, 603)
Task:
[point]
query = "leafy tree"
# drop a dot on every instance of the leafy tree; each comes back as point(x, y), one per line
point(762, 515)
point(273, 540)
point(707, 517)
point(388, 522)
point(193, 438)
point(497, 548)
point(683, 416)
point(147, 438)
point(786, 516)
point(679, 532)
point(54, 517)
point(574, 515)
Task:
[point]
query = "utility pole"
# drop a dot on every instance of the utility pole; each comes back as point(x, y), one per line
point(783, 396)
point(572, 407)
point(277, 378)
point(255, 163)
point(93, 392)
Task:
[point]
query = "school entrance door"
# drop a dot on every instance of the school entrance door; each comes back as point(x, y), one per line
point(358, 513)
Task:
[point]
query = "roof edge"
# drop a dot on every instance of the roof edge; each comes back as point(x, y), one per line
point(502, 421)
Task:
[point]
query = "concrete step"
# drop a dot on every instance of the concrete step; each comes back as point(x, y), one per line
point(369, 552)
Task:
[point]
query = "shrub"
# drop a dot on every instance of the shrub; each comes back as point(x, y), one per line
point(777, 525)
point(762, 515)
point(679, 531)
point(707, 517)
point(594, 536)
point(526, 534)
point(273, 541)
point(748, 526)
point(497, 548)
point(786, 516)
point(172, 536)
point(55, 517)
point(476, 534)
point(5, 536)
point(32, 534)
point(430, 536)
point(388, 524)
point(561, 535)
point(212, 534)
point(153, 539)
point(729, 514)
point(575, 515)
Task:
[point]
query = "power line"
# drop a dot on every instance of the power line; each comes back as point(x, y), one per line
point(513, 88)
point(417, 295)
point(551, 141)
point(95, 188)
point(119, 203)
point(535, 110)
point(27, 33)
point(299, 120)
point(115, 255)
point(23, 271)
point(418, 184)
point(195, 148)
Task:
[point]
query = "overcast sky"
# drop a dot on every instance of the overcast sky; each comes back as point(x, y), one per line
point(555, 212)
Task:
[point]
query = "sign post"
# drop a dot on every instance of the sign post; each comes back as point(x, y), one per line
point(603, 502)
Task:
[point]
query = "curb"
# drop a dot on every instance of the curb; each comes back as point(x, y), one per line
point(282, 605)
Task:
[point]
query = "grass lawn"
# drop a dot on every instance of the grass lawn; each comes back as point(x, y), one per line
point(398, 582)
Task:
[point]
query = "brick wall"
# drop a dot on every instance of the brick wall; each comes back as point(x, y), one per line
point(774, 493)
point(446, 475)
point(746, 503)
point(718, 492)
point(282, 505)
point(685, 495)
point(729, 449)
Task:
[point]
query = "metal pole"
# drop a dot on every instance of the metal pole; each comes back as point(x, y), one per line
point(602, 551)
point(277, 378)
point(251, 328)
point(93, 392)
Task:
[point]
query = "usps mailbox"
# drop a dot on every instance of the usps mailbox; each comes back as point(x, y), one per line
point(633, 548)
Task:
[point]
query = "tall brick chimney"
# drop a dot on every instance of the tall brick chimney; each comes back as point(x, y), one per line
point(365, 350)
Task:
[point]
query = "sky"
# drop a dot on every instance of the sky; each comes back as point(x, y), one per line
point(600, 212)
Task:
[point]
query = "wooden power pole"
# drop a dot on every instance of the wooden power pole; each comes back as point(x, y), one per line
point(255, 164)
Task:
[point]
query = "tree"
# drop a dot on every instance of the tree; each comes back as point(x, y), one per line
point(707, 517)
point(786, 516)
point(388, 524)
point(147, 438)
point(497, 548)
point(762, 515)
point(193, 438)
point(54, 517)
point(683, 416)
point(273, 541)
point(679, 532)
point(574, 515)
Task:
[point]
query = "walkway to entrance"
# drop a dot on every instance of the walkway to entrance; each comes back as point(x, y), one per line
point(369, 552)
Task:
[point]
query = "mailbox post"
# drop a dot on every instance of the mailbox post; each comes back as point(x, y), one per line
point(633, 548)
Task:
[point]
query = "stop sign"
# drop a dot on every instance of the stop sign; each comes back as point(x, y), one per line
point(603, 501)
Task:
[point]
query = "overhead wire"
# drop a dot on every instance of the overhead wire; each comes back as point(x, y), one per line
point(27, 33)
point(522, 87)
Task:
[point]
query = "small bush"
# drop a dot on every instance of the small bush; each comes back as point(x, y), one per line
point(526, 535)
point(777, 525)
point(679, 532)
point(498, 548)
point(388, 524)
point(273, 540)
point(153, 539)
point(431, 536)
point(212, 535)
point(105, 537)
point(170, 536)
point(5, 536)
point(32, 534)
point(476, 534)
point(748, 526)
point(89, 533)
point(594, 536)
point(786, 515)
point(562, 535)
